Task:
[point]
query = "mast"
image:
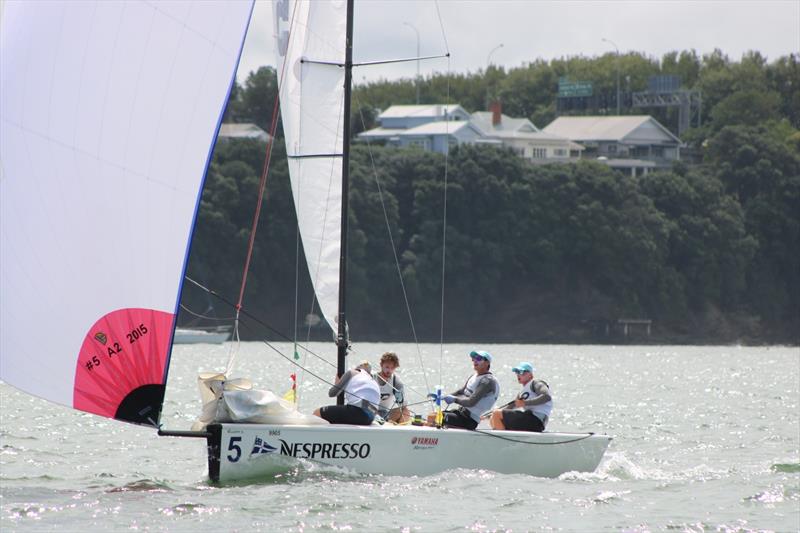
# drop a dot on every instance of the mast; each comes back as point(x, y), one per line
point(342, 341)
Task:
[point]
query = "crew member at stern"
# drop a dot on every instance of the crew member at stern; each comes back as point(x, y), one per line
point(361, 397)
point(532, 407)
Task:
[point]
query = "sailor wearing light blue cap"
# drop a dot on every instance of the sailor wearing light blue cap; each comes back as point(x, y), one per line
point(532, 406)
point(481, 354)
point(476, 396)
point(522, 368)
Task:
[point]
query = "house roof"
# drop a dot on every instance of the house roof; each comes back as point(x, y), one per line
point(435, 110)
point(483, 119)
point(614, 128)
point(244, 130)
point(379, 132)
point(441, 127)
point(524, 135)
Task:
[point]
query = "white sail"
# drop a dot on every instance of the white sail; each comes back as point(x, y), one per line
point(108, 112)
point(312, 111)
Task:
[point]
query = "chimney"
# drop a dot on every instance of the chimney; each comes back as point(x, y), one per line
point(496, 109)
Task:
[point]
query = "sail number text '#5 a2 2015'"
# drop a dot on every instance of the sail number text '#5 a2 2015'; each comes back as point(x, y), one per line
point(115, 348)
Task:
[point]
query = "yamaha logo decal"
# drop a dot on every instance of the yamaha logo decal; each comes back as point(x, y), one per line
point(424, 442)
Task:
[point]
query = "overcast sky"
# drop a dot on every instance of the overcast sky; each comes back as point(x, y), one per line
point(532, 29)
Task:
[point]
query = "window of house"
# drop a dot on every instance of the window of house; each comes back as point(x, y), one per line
point(560, 152)
point(538, 153)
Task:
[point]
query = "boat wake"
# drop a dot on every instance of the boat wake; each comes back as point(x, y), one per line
point(615, 467)
point(143, 485)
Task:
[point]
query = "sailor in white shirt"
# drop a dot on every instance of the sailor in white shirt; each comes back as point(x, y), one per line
point(361, 398)
point(532, 406)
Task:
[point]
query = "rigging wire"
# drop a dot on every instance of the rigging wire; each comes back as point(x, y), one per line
point(489, 433)
point(441, 26)
point(254, 228)
point(394, 251)
point(257, 320)
point(206, 317)
point(409, 387)
point(444, 207)
point(305, 348)
point(295, 363)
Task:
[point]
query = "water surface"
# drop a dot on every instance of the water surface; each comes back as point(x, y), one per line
point(705, 439)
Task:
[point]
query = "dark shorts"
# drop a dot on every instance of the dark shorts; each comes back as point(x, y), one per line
point(459, 419)
point(346, 414)
point(522, 421)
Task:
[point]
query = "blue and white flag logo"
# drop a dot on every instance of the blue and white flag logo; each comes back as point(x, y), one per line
point(260, 446)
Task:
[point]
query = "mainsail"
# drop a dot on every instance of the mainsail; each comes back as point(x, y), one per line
point(108, 113)
point(311, 54)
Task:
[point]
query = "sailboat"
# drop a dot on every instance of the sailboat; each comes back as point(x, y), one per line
point(108, 116)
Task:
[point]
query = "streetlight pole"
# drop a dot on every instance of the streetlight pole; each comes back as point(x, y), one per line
point(489, 62)
point(418, 55)
point(489, 56)
point(612, 43)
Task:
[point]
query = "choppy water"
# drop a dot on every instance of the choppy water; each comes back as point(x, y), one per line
point(705, 439)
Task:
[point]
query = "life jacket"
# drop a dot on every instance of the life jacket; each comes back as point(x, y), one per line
point(485, 403)
point(543, 410)
point(390, 396)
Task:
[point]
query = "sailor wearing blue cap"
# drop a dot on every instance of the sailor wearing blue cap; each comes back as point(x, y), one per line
point(476, 396)
point(532, 406)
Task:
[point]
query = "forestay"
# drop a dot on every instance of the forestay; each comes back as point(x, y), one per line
point(312, 109)
point(108, 114)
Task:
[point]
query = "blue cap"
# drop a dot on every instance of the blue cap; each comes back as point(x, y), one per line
point(486, 355)
point(523, 367)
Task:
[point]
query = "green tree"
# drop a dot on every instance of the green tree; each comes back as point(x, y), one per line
point(258, 97)
point(763, 172)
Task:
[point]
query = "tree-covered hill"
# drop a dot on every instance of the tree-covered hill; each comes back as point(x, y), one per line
point(710, 252)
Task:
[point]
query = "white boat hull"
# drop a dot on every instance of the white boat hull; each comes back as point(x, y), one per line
point(247, 451)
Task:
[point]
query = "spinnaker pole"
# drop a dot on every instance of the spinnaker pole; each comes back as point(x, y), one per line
point(342, 340)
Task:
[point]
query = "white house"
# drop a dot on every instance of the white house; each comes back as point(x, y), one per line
point(635, 142)
point(523, 137)
point(436, 136)
point(433, 127)
point(430, 127)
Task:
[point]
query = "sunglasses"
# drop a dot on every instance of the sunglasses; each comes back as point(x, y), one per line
point(479, 358)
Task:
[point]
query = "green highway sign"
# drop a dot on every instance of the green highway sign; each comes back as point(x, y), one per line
point(574, 88)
